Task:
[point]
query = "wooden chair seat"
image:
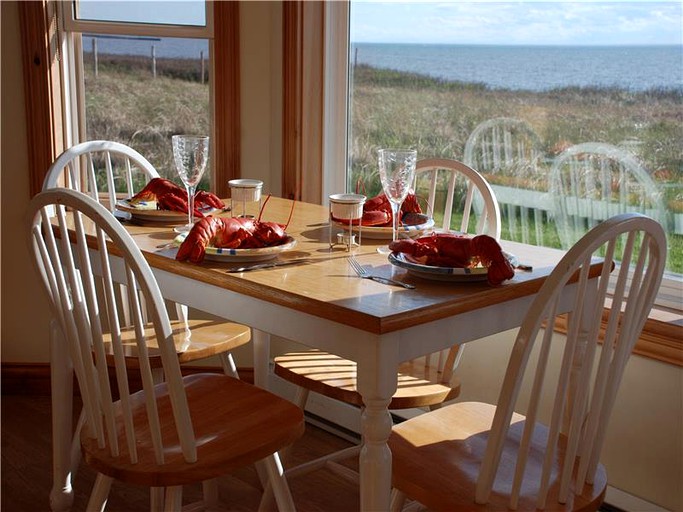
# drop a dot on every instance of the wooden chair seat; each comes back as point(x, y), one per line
point(222, 446)
point(436, 460)
point(206, 338)
point(335, 377)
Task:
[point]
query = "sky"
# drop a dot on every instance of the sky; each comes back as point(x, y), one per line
point(182, 12)
point(530, 22)
point(583, 22)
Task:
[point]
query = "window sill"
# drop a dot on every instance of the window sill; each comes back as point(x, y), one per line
point(661, 339)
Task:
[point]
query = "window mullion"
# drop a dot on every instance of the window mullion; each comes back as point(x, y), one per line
point(336, 93)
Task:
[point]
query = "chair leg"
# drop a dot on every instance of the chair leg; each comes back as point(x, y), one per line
point(210, 491)
point(267, 498)
point(156, 498)
point(398, 499)
point(173, 501)
point(300, 399)
point(228, 364)
point(75, 456)
point(99, 494)
point(278, 486)
point(61, 380)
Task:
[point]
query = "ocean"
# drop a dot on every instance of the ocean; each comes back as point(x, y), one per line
point(534, 68)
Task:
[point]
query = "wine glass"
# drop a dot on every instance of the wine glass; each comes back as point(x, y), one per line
point(397, 172)
point(190, 152)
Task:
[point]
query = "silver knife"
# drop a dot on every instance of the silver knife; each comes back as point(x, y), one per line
point(270, 264)
point(386, 280)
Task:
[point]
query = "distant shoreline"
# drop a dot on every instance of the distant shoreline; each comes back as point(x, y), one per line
point(460, 45)
point(189, 69)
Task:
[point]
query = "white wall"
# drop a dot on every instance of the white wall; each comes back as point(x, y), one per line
point(644, 452)
point(25, 316)
point(261, 97)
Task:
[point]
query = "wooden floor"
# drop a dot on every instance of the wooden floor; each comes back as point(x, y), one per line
point(27, 470)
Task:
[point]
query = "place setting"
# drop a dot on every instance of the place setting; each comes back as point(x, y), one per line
point(200, 233)
point(242, 242)
point(163, 202)
point(414, 245)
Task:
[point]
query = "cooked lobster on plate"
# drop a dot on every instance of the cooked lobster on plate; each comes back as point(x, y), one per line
point(458, 251)
point(170, 196)
point(232, 233)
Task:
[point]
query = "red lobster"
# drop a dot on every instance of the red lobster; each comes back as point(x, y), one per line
point(452, 250)
point(377, 211)
point(232, 233)
point(170, 196)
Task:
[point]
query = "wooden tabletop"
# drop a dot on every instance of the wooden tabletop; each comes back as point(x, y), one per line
point(328, 288)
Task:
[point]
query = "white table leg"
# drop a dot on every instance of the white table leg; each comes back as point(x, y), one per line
point(61, 380)
point(377, 384)
point(261, 342)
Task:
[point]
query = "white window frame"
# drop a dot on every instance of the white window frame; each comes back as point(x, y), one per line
point(72, 24)
point(335, 152)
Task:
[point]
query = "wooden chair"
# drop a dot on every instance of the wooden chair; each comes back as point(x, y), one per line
point(184, 430)
point(474, 456)
point(508, 152)
point(593, 181)
point(424, 382)
point(107, 171)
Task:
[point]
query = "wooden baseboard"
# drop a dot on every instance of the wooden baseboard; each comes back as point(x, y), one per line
point(34, 378)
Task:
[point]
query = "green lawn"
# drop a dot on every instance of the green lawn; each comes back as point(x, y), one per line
point(389, 108)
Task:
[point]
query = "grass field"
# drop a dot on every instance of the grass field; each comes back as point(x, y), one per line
point(394, 109)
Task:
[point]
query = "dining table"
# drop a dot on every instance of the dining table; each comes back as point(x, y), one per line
point(320, 302)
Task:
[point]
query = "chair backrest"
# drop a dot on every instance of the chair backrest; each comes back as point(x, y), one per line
point(100, 167)
point(583, 394)
point(457, 190)
point(454, 188)
point(106, 171)
point(508, 153)
point(593, 181)
point(503, 145)
point(70, 271)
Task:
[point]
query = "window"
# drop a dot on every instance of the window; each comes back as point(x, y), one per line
point(547, 100)
point(142, 75)
point(124, 104)
point(538, 97)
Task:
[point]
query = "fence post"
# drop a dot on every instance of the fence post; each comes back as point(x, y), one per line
point(154, 62)
point(201, 57)
point(94, 54)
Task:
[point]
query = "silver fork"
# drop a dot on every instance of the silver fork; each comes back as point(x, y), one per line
point(361, 272)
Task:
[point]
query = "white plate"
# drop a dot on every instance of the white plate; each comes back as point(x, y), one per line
point(147, 211)
point(386, 232)
point(439, 273)
point(239, 255)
